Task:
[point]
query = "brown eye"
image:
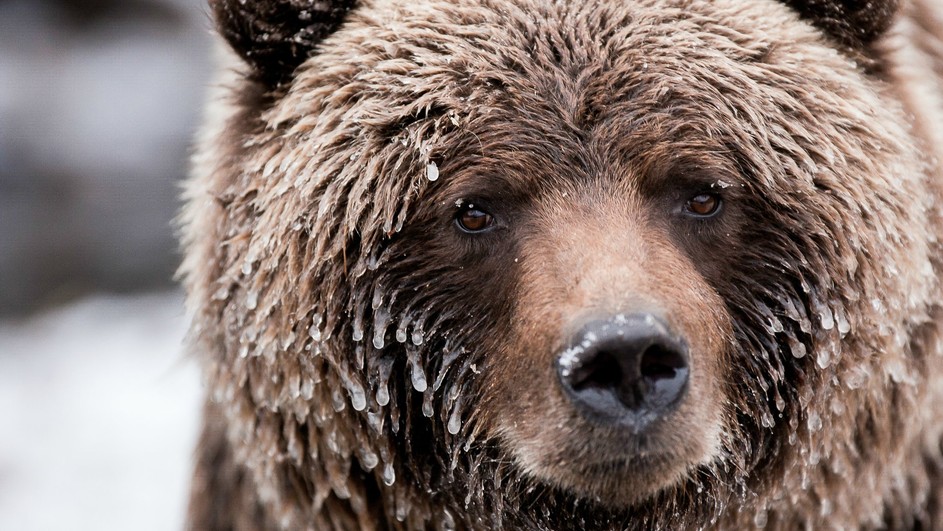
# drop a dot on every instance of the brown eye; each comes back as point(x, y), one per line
point(703, 205)
point(473, 220)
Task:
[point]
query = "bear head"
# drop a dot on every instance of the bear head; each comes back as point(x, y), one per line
point(562, 263)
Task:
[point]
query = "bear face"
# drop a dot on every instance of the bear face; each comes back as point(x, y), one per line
point(515, 263)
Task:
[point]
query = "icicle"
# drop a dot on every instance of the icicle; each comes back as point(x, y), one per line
point(418, 376)
point(780, 402)
point(796, 347)
point(381, 319)
point(766, 420)
point(359, 355)
point(338, 401)
point(315, 330)
point(825, 315)
point(307, 389)
point(389, 475)
point(401, 336)
point(358, 324)
point(394, 419)
point(377, 297)
point(294, 384)
point(358, 398)
point(288, 340)
point(368, 459)
point(427, 403)
point(221, 294)
point(375, 421)
point(447, 361)
point(814, 422)
point(417, 337)
point(383, 378)
point(455, 419)
point(824, 355)
point(842, 321)
point(761, 518)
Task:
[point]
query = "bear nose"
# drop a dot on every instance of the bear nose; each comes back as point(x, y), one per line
point(629, 369)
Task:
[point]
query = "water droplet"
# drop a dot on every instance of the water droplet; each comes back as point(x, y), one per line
point(358, 398)
point(389, 475)
point(796, 347)
point(288, 341)
point(815, 421)
point(455, 419)
point(381, 319)
point(418, 376)
point(427, 403)
point(828, 320)
point(221, 294)
point(766, 420)
point(761, 518)
point(432, 171)
point(315, 330)
point(401, 336)
point(307, 389)
point(780, 403)
point(417, 336)
point(383, 378)
point(252, 300)
point(368, 459)
point(377, 298)
point(337, 401)
point(824, 356)
point(843, 325)
point(383, 395)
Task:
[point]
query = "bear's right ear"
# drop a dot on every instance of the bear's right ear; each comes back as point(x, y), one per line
point(275, 36)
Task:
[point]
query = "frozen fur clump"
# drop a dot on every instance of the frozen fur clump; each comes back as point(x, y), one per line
point(615, 264)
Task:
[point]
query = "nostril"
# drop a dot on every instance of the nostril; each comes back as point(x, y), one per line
point(602, 371)
point(658, 363)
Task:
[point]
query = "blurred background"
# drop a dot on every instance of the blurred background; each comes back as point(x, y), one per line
point(99, 407)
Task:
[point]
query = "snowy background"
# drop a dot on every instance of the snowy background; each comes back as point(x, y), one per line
point(99, 407)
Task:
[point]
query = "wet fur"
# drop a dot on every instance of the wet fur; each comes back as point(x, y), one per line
point(311, 217)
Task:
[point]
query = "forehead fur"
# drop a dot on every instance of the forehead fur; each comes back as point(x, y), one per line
point(742, 86)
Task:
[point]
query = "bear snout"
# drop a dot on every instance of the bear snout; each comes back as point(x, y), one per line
point(628, 370)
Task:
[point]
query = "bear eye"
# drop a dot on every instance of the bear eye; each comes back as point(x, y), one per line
point(473, 220)
point(703, 205)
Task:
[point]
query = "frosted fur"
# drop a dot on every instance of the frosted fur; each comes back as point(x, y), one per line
point(361, 376)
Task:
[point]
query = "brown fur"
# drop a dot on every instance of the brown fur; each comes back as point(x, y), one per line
point(372, 367)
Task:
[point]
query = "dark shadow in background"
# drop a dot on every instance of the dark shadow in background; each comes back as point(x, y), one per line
point(99, 100)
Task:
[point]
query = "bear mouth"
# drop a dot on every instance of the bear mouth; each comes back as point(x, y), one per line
point(622, 482)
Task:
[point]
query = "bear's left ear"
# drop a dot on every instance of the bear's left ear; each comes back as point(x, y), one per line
point(855, 23)
point(275, 36)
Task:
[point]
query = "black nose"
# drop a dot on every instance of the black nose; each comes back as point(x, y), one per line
point(627, 370)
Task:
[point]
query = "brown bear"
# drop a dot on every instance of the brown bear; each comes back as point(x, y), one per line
point(595, 264)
